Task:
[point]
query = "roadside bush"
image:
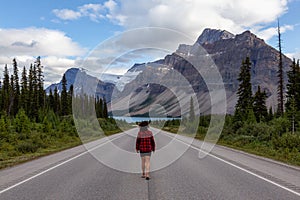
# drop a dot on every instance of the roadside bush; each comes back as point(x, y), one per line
point(260, 131)
point(287, 140)
point(26, 147)
point(281, 125)
point(22, 122)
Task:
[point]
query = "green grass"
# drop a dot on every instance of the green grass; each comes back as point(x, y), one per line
point(263, 149)
point(12, 158)
point(282, 155)
point(17, 151)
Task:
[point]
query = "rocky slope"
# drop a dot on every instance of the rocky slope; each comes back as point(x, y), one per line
point(89, 84)
point(227, 52)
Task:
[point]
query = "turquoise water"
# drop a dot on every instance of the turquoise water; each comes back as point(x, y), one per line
point(139, 119)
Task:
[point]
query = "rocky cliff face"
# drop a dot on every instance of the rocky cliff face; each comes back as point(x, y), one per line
point(227, 52)
point(100, 88)
point(210, 36)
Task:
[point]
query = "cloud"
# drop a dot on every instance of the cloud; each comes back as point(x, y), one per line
point(58, 51)
point(192, 16)
point(268, 33)
point(66, 14)
point(295, 55)
point(94, 12)
point(37, 42)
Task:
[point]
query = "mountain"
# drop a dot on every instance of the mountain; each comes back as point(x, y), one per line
point(70, 76)
point(90, 84)
point(210, 36)
point(227, 52)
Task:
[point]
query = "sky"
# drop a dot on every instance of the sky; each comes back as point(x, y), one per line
point(65, 32)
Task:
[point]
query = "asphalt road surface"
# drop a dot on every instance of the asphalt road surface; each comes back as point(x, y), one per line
point(78, 174)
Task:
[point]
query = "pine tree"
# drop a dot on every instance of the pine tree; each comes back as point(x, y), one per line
point(293, 93)
point(16, 88)
point(1, 106)
point(35, 93)
point(40, 83)
point(51, 102)
point(30, 90)
point(70, 96)
point(259, 105)
point(101, 107)
point(56, 107)
point(98, 108)
point(33, 102)
point(64, 97)
point(11, 96)
point(24, 91)
point(5, 90)
point(280, 88)
point(105, 111)
point(192, 111)
point(244, 93)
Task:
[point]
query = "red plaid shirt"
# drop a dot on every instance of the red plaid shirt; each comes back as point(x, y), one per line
point(145, 142)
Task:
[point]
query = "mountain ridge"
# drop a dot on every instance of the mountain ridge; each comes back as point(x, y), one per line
point(226, 51)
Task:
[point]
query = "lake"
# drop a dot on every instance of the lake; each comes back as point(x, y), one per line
point(139, 119)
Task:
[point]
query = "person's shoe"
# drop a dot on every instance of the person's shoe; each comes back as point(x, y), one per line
point(147, 178)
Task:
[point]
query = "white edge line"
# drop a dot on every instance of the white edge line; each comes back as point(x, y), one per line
point(51, 168)
point(238, 167)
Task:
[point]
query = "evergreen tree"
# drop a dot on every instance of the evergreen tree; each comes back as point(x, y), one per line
point(297, 94)
point(101, 107)
point(56, 107)
point(105, 111)
point(293, 93)
point(64, 97)
point(24, 91)
point(22, 123)
point(16, 88)
point(11, 96)
point(98, 107)
point(35, 94)
point(70, 96)
point(51, 102)
point(251, 119)
point(1, 106)
point(244, 93)
point(5, 90)
point(259, 105)
point(30, 90)
point(280, 88)
point(40, 83)
point(192, 110)
point(33, 88)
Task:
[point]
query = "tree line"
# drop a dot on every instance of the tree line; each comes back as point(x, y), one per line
point(34, 122)
point(252, 107)
point(27, 94)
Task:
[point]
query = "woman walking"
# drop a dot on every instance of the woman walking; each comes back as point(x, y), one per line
point(145, 144)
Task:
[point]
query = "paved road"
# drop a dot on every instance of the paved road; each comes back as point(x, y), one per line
point(77, 174)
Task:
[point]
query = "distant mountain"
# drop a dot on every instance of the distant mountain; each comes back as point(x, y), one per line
point(70, 76)
point(103, 88)
point(226, 50)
